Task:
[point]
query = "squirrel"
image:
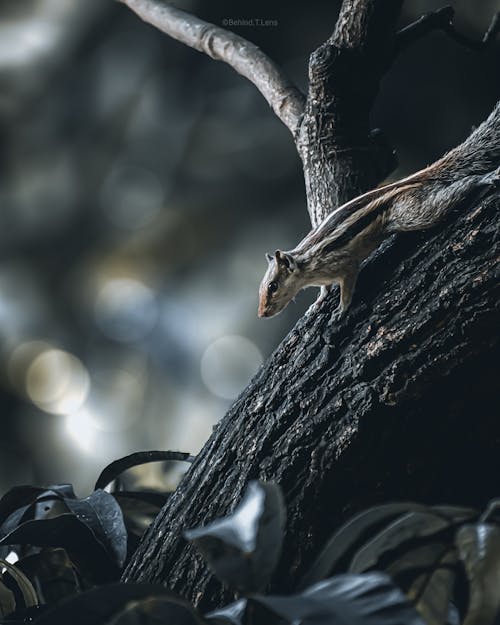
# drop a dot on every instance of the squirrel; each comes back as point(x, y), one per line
point(332, 252)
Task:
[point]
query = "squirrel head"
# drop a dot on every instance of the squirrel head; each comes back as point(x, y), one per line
point(279, 284)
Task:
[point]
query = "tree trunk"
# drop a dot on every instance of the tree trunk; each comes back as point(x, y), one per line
point(395, 401)
point(398, 401)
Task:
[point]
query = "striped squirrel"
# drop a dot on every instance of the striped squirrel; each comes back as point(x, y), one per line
point(333, 251)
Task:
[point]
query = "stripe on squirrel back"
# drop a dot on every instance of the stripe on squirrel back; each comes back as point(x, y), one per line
point(346, 222)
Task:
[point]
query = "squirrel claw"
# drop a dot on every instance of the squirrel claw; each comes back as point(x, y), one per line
point(338, 313)
point(314, 307)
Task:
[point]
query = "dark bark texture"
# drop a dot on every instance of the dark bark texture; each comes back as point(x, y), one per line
point(396, 400)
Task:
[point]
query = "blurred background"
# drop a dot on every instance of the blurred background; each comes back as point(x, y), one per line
point(141, 184)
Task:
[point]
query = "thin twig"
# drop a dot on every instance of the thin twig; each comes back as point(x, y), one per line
point(442, 19)
point(222, 45)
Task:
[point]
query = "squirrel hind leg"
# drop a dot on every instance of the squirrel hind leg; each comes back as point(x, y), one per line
point(347, 286)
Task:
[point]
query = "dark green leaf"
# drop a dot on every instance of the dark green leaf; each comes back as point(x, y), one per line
point(16, 498)
point(410, 564)
point(397, 535)
point(492, 512)
point(456, 514)
point(21, 496)
point(24, 585)
point(7, 601)
point(370, 599)
point(434, 576)
point(67, 531)
point(233, 614)
point(37, 503)
point(113, 470)
point(479, 549)
point(157, 611)
point(102, 514)
point(99, 605)
point(243, 549)
point(52, 573)
point(342, 546)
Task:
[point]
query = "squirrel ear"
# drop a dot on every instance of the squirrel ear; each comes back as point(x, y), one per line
point(269, 257)
point(289, 261)
point(286, 260)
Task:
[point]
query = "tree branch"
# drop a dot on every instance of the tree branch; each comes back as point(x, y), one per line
point(341, 158)
point(442, 19)
point(222, 45)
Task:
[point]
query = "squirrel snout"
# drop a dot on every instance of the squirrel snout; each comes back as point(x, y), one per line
point(263, 310)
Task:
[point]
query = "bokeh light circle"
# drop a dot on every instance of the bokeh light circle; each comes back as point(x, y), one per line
point(57, 382)
point(126, 309)
point(228, 364)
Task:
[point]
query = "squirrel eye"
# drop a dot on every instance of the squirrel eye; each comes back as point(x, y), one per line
point(272, 287)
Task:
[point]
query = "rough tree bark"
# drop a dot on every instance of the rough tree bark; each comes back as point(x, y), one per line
point(397, 400)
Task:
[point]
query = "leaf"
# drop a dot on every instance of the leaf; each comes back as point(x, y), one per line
point(17, 497)
point(97, 606)
point(431, 590)
point(157, 611)
point(21, 496)
point(7, 601)
point(410, 564)
point(369, 599)
point(23, 583)
point(456, 514)
point(397, 535)
point(243, 612)
point(25, 503)
point(82, 545)
point(243, 548)
point(102, 514)
point(52, 573)
point(234, 613)
point(492, 512)
point(113, 470)
point(479, 550)
point(339, 550)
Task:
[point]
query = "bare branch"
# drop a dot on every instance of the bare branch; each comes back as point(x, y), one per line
point(442, 19)
point(363, 24)
point(222, 45)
